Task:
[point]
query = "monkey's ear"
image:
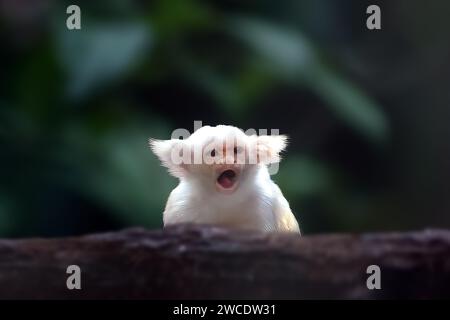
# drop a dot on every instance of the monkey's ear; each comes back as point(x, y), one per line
point(172, 154)
point(269, 148)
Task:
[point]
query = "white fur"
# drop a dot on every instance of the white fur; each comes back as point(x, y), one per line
point(256, 203)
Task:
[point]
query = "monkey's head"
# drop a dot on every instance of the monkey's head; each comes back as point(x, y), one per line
point(218, 158)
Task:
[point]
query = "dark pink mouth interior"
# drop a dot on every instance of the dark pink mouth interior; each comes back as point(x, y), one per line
point(227, 179)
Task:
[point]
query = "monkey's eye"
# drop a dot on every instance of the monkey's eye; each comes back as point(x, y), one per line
point(213, 153)
point(237, 150)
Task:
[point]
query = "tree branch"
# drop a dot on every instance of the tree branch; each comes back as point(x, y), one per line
point(200, 262)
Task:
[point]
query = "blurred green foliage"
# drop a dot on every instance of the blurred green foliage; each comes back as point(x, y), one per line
point(77, 108)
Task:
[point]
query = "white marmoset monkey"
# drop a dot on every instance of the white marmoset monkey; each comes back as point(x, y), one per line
point(224, 180)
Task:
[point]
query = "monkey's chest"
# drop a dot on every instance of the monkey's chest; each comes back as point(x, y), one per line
point(249, 213)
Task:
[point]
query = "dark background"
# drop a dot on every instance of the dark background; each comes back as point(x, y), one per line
point(367, 111)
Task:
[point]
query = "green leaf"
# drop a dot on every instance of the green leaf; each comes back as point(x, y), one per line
point(291, 56)
point(287, 52)
point(119, 171)
point(303, 176)
point(351, 105)
point(97, 55)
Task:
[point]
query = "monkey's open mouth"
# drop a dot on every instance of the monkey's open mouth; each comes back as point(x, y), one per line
point(227, 179)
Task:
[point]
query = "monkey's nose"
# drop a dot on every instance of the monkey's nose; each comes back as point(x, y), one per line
point(225, 161)
point(230, 159)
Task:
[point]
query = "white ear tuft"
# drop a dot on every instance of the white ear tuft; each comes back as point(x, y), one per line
point(170, 153)
point(270, 147)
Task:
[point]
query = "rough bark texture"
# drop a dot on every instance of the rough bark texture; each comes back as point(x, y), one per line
point(200, 262)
